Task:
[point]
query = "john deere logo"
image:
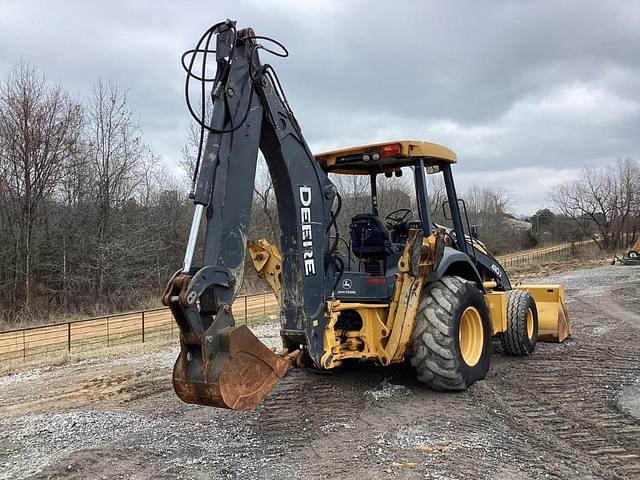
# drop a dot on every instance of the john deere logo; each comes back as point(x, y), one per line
point(346, 284)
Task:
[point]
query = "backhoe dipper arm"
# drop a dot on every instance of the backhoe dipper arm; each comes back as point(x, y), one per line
point(218, 364)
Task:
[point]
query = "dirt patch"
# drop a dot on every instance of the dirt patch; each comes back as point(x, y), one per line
point(565, 412)
point(628, 298)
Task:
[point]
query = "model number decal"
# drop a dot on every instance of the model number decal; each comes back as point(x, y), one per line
point(495, 268)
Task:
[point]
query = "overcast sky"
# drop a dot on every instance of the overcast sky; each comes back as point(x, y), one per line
point(526, 93)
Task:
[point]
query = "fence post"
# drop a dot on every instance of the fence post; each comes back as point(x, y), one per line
point(24, 346)
point(107, 331)
point(245, 310)
point(264, 304)
point(143, 326)
point(69, 336)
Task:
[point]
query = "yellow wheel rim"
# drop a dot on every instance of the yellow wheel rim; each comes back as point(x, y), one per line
point(471, 336)
point(529, 324)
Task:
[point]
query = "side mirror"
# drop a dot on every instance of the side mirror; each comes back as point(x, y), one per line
point(474, 231)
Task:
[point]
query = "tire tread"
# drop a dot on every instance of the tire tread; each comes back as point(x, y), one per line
point(515, 341)
point(434, 353)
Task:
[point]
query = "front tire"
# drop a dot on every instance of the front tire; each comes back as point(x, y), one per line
point(451, 342)
point(521, 336)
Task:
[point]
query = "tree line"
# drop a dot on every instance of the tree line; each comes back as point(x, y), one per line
point(603, 203)
point(91, 221)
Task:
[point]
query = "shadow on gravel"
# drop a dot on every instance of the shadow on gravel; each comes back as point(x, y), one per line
point(368, 374)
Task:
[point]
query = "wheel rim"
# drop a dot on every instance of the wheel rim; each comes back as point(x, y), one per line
point(529, 324)
point(471, 336)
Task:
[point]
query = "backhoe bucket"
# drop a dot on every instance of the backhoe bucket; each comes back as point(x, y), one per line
point(553, 321)
point(239, 375)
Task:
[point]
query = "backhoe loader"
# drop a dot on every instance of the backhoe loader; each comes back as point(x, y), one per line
point(632, 257)
point(406, 291)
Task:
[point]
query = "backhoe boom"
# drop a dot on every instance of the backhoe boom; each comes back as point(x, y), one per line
point(249, 113)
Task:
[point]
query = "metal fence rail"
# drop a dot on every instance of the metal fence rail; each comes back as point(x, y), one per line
point(132, 327)
point(145, 325)
point(522, 258)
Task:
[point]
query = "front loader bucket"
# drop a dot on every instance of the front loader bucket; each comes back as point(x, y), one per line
point(238, 376)
point(553, 321)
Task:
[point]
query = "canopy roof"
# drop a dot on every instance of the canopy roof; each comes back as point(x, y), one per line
point(384, 157)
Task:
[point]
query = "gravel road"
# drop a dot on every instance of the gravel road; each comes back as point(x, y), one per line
point(569, 411)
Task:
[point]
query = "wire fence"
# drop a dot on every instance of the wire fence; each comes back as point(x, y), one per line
point(157, 324)
point(25, 344)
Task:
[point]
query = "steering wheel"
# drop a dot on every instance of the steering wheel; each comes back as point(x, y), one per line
point(397, 217)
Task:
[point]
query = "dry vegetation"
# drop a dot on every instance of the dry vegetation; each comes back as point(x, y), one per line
point(587, 256)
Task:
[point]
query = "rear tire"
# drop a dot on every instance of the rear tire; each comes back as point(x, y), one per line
point(521, 336)
point(451, 341)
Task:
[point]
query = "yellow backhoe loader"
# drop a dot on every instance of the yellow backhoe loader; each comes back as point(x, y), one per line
point(632, 257)
point(398, 289)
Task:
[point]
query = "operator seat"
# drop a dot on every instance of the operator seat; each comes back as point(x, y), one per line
point(370, 238)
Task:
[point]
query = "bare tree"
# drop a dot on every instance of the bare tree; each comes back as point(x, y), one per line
point(437, 197)
point(605, 199)
point(489, 209)
point(89, 222)
point(194, 137)
point(394, 193)
point(189, 152)
point(72, 213)
point(264, 223)
point(39, 132)
point(115, 152)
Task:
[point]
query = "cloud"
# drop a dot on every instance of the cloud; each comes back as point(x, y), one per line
point(517, 89)
point(522, 185)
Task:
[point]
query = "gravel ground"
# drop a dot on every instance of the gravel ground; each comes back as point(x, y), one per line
point(569, 411)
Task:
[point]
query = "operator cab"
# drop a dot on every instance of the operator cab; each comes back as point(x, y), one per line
point(376, 244)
